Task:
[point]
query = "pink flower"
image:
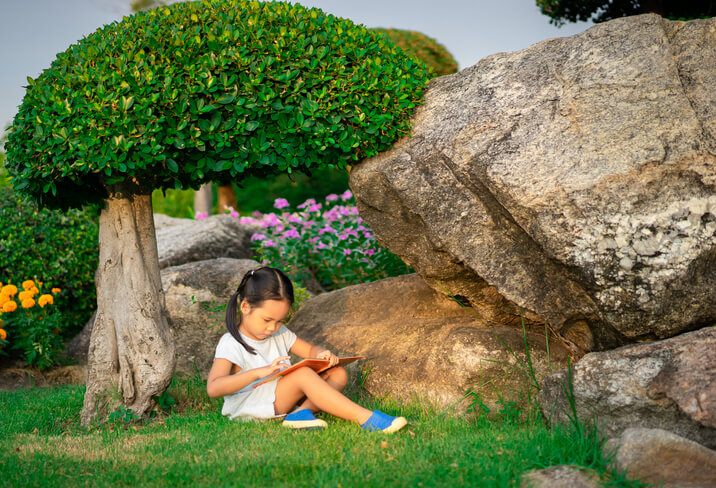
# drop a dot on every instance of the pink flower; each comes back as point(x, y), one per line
point(346, 195)
point(270, 220)
point(201, 215)
point(269, 243)
point(369, 252)
point(346, 252)
point(313, 240)
point(326, 229)
point(258, 237)
point(316, 207)
point(332, 197)
point(248, 220)
point(291, 233)
point(294, 219)
point(280, 203)
point(308, 202)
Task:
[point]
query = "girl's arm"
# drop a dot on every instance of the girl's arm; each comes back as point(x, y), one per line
point(221, 382)
point(305, 350)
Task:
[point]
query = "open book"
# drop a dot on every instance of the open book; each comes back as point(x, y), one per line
point(316, 364)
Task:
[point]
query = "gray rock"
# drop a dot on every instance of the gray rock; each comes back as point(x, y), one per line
point(663, 459)
point(420, 343)
point(181, 241)
point(196, 295)
point(669, 384)
point(560, 477)
point(522, 169)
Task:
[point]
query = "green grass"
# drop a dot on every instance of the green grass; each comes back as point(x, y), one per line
point(41, 441)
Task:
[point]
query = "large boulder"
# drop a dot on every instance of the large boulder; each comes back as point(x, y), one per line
point(419, 343)
point(196, 295)
point(663, 458)
point(181, 241)
point(669, 384)
point(577, 177)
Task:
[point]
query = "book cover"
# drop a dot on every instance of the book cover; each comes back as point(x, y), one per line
point(316, 364)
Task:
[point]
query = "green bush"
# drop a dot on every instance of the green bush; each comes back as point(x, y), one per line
point(204, 91)
point(56, 248)
point(174, 203)
point(426, 49)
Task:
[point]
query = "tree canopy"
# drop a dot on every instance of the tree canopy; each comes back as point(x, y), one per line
point(192, 92)
point(562, 11)
point(426, 49)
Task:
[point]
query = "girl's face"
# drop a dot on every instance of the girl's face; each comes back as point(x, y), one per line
point(260, 322)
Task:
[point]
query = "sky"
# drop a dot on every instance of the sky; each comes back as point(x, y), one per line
point(33, 32)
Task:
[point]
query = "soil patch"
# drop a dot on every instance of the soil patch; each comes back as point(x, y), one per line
point(13, 378)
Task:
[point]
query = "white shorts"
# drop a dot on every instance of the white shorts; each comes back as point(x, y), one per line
point(251, 405)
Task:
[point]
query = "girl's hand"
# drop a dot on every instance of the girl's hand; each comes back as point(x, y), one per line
point(281, 362)
point(326, 354)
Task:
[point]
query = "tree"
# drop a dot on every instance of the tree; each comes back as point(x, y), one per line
point(424, 48)
point(177, 96)
point(561, 11)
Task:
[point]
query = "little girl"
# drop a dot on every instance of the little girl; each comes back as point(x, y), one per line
point(259, 347)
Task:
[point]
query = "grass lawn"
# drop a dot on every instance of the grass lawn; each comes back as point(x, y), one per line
point(43, 444)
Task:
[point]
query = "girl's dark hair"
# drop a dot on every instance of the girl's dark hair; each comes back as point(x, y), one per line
point(257, 286)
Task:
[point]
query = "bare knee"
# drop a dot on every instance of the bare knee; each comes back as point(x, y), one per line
point(338, 376)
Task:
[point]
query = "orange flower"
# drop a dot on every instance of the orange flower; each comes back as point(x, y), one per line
point(10, 306)
point(45, 299)
point(9, 290)
point(3, 334)
point(28, 303)
point(27, 284)
point(34, 290)
point(56, 290)
point(24, 295)
point(4, 298)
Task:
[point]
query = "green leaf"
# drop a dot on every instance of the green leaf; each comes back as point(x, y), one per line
point(172, 165)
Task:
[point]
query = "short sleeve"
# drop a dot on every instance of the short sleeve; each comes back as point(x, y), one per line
point(287, 337)
point(229, 348)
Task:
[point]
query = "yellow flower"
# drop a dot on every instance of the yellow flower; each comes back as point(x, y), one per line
point(34, 290)
point(28, 303)
point(25, 294)
point(10, 306)
point(45, 299)
point(3, 334)
point(27, 284)
point(56, 290)
point(9, 290)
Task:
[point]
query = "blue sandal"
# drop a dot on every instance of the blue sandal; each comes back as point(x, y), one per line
point(384, 423)
point(303, 419)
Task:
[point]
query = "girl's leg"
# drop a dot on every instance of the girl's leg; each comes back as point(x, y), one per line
point(292, 387)
point(337, 377)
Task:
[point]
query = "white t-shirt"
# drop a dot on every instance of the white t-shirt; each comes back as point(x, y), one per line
point(256, 402)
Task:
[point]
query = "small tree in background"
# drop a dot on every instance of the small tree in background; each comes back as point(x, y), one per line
point(426, 49)
point(177, 96)
point(562, 11)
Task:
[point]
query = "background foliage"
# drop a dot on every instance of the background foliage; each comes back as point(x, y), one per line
point(562, 11)
point(193, 92)
point(56, 248)
point(424, 48)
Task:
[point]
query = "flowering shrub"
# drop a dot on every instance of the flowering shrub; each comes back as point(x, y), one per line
point(323, 246)
point(29, 323)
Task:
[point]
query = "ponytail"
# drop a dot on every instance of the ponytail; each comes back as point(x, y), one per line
point(257, 286)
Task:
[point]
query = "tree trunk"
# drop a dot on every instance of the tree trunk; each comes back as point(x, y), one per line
point(202, 200)
point(227, 197)
point(131, 355)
